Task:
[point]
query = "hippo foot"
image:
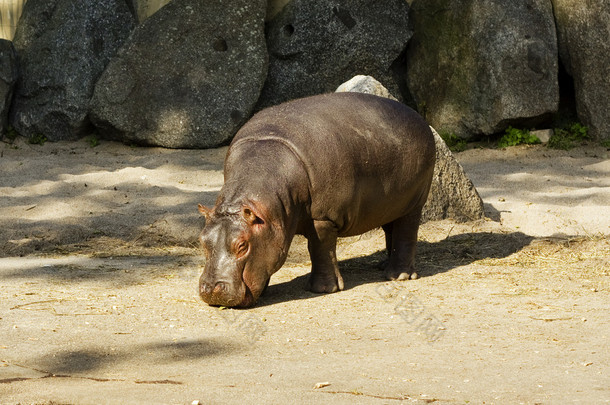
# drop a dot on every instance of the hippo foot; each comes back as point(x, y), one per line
point(392, 273)
point(318, 284)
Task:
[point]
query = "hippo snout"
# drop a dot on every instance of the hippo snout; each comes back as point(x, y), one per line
point(220, 293)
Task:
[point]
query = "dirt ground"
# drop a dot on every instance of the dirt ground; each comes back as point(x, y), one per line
point(99, 269)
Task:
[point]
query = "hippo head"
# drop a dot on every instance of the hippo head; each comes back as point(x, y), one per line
point(243, 249)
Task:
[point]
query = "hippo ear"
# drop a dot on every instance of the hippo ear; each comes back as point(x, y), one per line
point(251, 217)
point(205, 211)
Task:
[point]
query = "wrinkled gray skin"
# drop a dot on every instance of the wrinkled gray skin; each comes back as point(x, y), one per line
point(325, 166)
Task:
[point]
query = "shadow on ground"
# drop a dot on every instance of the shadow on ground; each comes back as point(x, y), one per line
point(83, 362)
point(119, 271)
point(177, 224)
point(432, 258)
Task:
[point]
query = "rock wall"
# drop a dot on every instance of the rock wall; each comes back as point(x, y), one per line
point(63, 46)
point(584, 47)
point(471, 68)
point(8, 78)
point(315, 45)
point(183, 80)
point(476, 67)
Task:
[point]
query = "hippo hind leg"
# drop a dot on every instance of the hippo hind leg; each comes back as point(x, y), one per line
point(401, 242)
point(322, 245)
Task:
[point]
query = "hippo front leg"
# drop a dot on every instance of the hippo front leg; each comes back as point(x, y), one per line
point(322, 245)
point(401, 242)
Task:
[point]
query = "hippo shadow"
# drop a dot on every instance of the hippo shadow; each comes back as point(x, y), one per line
point(432, 258)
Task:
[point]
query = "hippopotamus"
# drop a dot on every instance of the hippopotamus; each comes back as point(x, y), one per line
point(325, 166)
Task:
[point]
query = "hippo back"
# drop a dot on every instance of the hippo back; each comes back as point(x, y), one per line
point(369, 159)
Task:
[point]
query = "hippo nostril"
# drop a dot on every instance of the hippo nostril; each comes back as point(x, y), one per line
point(220, 288)
point(205, 288)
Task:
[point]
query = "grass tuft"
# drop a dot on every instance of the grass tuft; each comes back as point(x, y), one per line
point(514, 137)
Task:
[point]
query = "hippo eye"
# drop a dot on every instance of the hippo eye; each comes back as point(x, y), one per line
point(241, 249)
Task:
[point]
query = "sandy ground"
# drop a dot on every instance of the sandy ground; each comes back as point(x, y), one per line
point(98, 267)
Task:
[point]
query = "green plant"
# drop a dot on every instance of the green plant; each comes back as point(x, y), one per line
point(514, 137)
point(93, 141)
point(37, 139)
point(10, 133)
point(605, 143)
point(566, 138)
point(454, 142)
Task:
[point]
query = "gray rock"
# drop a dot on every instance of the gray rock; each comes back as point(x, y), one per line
point(8, 78)
point(133, 7)
point(315, 45)
point(543, 134)
point(477, 67)
point(63, 46)
point(365, 84)
point(188, 77)
point(452, 194)
point(584, 44)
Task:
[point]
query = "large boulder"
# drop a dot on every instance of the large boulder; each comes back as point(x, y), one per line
point(8, 78)
point(63, 46)
point(584, 45)
point(452, 194)
point(315, 45)
point(188, 77)
point(476, 67)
